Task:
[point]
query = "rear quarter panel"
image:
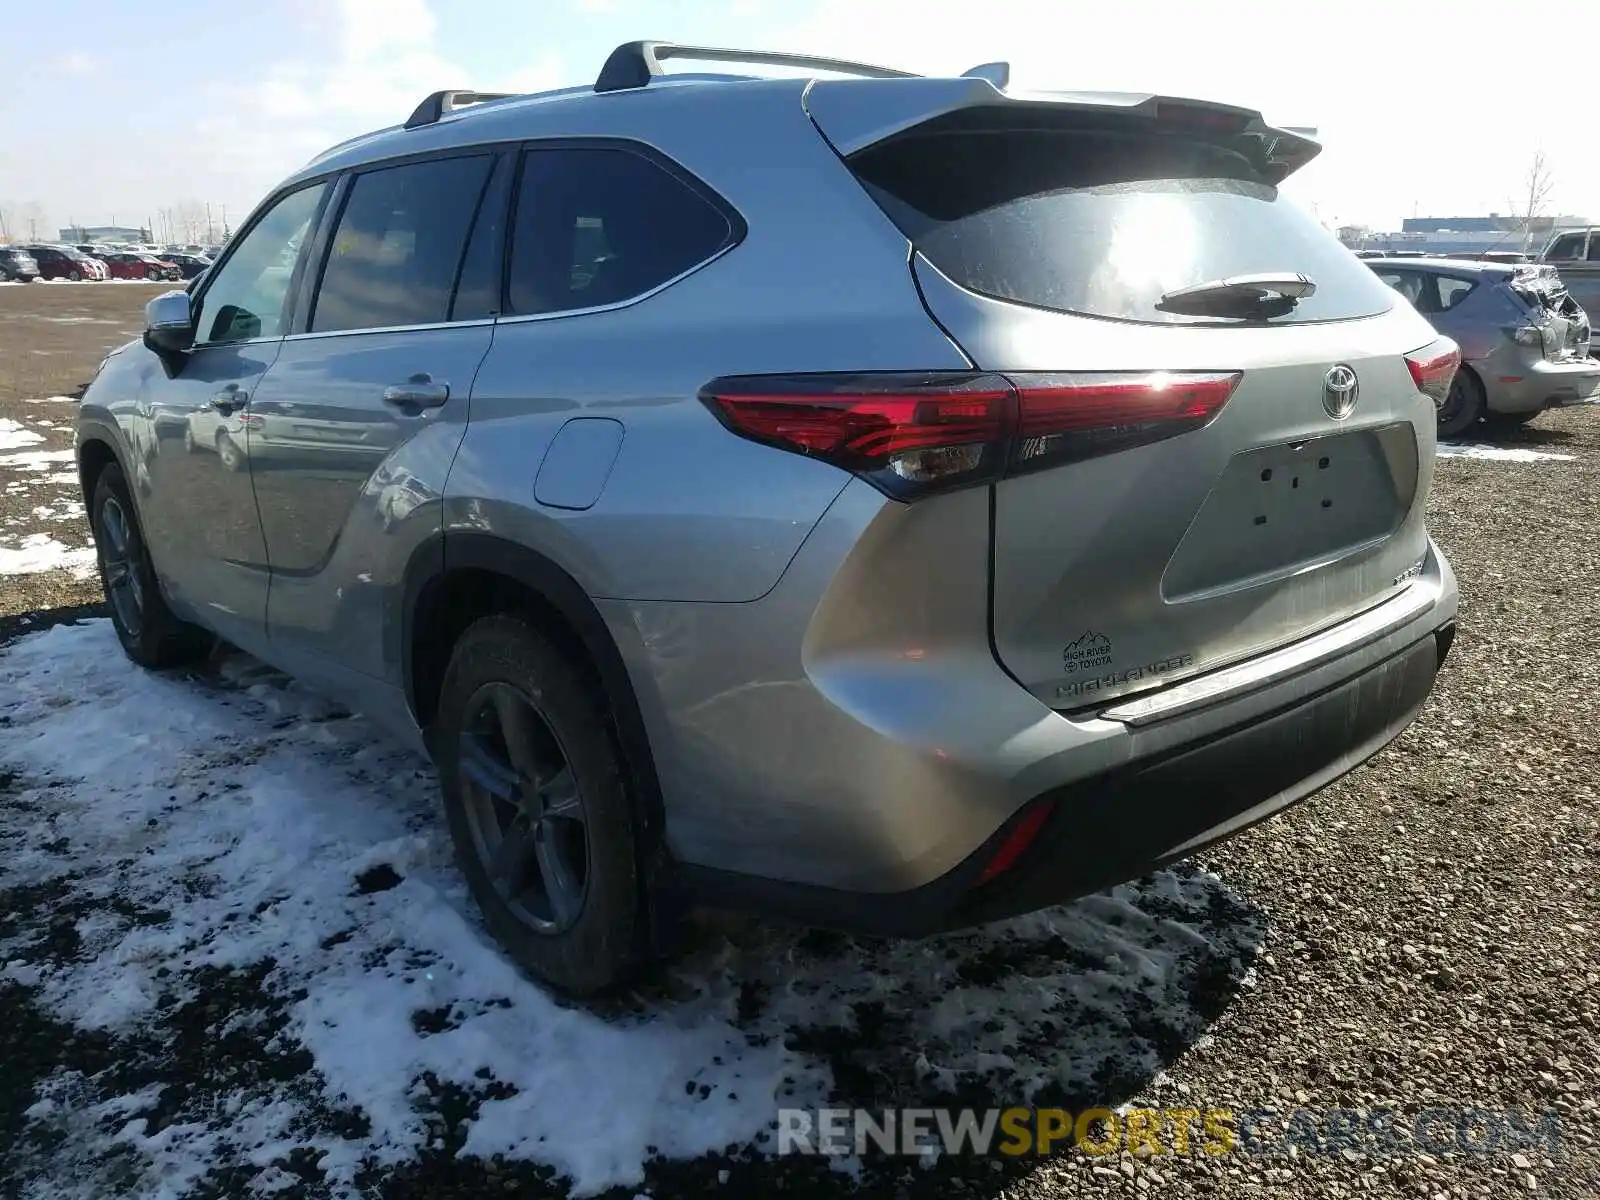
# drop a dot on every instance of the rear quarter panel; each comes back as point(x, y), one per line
point(689, 511)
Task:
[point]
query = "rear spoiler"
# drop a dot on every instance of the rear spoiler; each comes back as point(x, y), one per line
point(856, 113)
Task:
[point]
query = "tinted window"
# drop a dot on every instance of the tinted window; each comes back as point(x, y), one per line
point(1104, 222)
point(246, 297)
point(478, 291)
point(599, 226)
point(394, 255)
point(1594, 247)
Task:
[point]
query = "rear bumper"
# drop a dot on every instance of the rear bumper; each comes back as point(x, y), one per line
point(1533, 387)
point(856, 760)
point(1120, 825)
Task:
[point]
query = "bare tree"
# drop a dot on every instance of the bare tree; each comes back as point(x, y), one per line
point(1536, 192)
point(187, 221)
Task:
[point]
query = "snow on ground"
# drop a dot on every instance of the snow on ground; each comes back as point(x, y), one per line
point(1498, 453)
point(52, 400)
point(41, 552)
point(194, 840)
point(14, 435)
point(35, 460)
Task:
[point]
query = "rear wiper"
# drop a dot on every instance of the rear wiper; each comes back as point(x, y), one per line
point(1268, 294)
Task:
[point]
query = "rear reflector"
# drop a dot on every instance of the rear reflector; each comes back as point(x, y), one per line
point(913, 433)
point(1433, 369)
point(1020, 837)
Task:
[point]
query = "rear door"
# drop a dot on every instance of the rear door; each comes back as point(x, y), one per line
point(1212, 476)
point(353, 431)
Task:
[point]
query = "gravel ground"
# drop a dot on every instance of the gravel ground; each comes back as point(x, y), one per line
point(1421, 934)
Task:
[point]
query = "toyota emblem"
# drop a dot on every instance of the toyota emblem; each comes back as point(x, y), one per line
point(1339, 391)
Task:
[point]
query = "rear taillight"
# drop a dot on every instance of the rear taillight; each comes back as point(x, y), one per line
point(913, 433)
point(1433, 368)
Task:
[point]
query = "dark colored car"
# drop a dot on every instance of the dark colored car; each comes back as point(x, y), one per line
point(189, 265)
point(64, 262)
point(17, 265)
point(132, 265)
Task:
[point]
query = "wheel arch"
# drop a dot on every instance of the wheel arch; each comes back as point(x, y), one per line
point(454, 579)
point(95, 454)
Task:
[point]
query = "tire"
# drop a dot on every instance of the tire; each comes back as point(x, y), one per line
point(228, 451)
point(151, 635)
point(153, 275)
point(1463, 407)
point(591, 941)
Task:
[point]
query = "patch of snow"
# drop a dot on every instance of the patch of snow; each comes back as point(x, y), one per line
point(52, 400)
point(1498, 453)
point(41, 552)
point(36, 460)
point(13, 435)
point(244, 809)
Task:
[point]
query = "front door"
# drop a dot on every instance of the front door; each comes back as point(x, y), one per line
point(353, 431)
point(198, 506)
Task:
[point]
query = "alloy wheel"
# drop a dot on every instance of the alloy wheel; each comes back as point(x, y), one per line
point(522, 802)
point(120, 567)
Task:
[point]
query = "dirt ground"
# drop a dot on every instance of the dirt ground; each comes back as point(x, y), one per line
point(1432, 920)
point(52, 337)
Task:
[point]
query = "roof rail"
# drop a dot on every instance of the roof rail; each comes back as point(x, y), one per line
point(441, 104)
point(635, 64)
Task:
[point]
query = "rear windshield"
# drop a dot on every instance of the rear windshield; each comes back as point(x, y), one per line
point(1103, 222)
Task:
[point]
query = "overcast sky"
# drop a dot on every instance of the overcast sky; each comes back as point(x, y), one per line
point(122, 109)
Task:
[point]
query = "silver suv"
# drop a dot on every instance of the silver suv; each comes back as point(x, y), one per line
point(886, 502)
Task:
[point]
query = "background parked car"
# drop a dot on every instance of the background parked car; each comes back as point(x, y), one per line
point(1524, 341)
point(128, 265)
point(189, 265)
point(65, 262)
point(1576, 255)
point(17, 265)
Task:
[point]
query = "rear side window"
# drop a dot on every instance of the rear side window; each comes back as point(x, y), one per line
point(1104, 221)
point(1452, 291)
point(598, 226)
point(396, 251)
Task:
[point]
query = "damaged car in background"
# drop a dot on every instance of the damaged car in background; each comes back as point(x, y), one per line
point(1524, 340)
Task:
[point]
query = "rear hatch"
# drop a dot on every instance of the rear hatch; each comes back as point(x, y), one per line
point(1203, 476)
point(1564, 327)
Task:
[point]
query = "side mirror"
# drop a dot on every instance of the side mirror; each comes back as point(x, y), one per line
point(169, 323)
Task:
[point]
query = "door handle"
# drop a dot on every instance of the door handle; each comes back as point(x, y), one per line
point(230, 398)
point(420, 391)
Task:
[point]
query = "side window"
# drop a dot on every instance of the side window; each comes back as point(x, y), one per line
point(245, 299)
point(600, 226)
point(1594, 247)
point(1406, 283)
point(1452, 291)
point(478, 290)
point(393, 258)
point(1567, 248)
